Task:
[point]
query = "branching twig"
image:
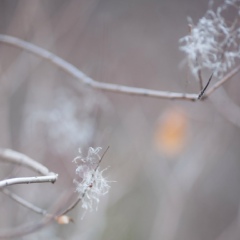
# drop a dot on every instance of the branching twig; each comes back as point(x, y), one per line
point(25, 229)
point(222, 81)
point(31, 206)
point(79, 75)
point(24, 202)
point(11, 156)
point(205, 88)
point(76, 73)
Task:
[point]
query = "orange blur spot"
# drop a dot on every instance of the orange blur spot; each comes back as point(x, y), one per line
point(171, 132)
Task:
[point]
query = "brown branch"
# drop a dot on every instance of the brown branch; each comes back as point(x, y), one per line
point(73, 205)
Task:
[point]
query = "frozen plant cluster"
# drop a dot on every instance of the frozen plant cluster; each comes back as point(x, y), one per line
point(91, 184)
point(214, 42)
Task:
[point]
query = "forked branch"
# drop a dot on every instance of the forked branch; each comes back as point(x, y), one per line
point(10, 156)
point(79, 75)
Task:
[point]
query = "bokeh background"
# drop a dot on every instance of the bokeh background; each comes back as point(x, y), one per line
point(176, 164)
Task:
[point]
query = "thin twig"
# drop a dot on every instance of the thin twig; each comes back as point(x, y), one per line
point(74, 204)
point(101, 158)
point(24, 229)
point(11, 156)
point(204, 89)
point(76, 73)
point(24, 202)
point(27, 180)
point(222, 81)
point(79, 75)
point(200, 79)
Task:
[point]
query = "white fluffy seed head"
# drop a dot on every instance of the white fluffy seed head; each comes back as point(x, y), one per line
point(213, 43)
point(90, 182)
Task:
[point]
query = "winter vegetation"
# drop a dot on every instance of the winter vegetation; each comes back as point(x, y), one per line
point(76, 75)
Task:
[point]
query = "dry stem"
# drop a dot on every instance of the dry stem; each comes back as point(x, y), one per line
point(79, 75)
point(24, 202)
point(11, 156)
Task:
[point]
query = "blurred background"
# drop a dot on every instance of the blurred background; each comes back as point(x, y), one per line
point(175, 163)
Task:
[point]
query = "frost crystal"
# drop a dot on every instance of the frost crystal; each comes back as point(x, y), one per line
point(91, 184)
point(213, 43)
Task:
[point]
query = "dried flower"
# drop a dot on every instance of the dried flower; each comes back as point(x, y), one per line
point(92, 157)
point(213, 43)
point(91, 184)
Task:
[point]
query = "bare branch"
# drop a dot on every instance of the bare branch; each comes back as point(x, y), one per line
point(200, 79)
point(15, 157)
point(25, 229)
point(24, 202)
point(222, 81)
point(27, 180)
point(11, 156)
point(72, 206)
point(79, 75)
point(204, 89)
point(104, 153)
point(19, 158)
